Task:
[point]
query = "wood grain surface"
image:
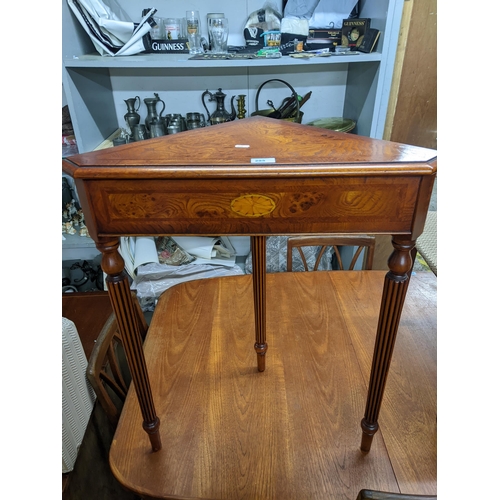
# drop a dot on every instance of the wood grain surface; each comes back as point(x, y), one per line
point(214, 152)
point(291, 431)
point(238, 435)
point(201, 182)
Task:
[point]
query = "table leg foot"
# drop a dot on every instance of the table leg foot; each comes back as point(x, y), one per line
point(153, 431)
point(261, 349)
point(369, 431)
point(258, 244)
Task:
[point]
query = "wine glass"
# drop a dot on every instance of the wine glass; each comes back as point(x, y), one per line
point(193, 24)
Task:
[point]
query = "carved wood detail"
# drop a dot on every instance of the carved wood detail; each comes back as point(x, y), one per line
point(121, 301)
point(393, 297)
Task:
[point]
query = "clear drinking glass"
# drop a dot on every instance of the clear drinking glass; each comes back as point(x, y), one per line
point(219, 29)
point(193, 24)
point(158, 32)
point(172, 28)
point(210, 16)
point(193, 28)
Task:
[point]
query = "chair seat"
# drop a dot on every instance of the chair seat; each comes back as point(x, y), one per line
point(229, 431)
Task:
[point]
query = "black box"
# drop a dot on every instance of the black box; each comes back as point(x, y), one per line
point(369, 41)
point(320, 43)
point(179, 46)
point(334, 34)
point(287, 44)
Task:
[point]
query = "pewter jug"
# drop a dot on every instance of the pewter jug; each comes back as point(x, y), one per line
point(132, 117)
point(220, 115)
point(152, 116)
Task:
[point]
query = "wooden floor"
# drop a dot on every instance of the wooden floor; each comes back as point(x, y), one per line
point(408, 418)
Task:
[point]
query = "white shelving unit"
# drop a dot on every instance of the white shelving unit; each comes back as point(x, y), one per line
point(352, 86)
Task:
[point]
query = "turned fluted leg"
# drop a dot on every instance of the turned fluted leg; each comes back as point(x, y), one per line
point(393, 296)
point(259, 296)
point(123, 307)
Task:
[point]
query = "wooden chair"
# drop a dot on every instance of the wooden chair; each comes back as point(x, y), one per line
point(383, 495)
point(107, 370)
point(335, 241)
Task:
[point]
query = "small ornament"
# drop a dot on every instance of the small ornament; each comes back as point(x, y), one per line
point(69, 228)
point(241, 106)
point(84, 231)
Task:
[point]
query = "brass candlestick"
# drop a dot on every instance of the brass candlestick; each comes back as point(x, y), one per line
point(241, 106)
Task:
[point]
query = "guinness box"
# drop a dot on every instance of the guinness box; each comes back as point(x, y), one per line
point(166, 46)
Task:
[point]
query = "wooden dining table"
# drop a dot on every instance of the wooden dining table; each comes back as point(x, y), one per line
point(256, 177)
point(291, 431)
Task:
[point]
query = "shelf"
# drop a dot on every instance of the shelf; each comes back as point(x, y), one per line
point(354, 86)
point(76, 247)
point(182, 61)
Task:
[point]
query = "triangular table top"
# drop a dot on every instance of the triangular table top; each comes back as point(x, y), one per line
point(254, 145)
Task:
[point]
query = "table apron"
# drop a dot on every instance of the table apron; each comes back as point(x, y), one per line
point(253, 206)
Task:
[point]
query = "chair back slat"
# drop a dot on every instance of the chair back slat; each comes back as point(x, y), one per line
point(336, 241)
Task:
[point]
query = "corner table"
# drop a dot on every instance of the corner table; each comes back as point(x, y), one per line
point(256, 177)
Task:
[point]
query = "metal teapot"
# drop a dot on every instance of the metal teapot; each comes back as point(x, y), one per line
point(220, 115)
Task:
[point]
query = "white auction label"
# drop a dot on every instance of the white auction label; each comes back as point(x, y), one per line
point(263, 160)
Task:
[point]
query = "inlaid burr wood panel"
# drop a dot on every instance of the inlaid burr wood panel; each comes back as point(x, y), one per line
point(258, 206)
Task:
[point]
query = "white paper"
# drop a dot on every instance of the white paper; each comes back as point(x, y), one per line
point(109, 28)
point(137, 252)
point(141, 250)
point(302, 9)
point(204, 248)
point(328, 14)
point(145, 251)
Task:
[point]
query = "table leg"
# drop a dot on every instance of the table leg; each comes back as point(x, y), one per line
point(258, 245)
point(121, 300)
point(393, 296)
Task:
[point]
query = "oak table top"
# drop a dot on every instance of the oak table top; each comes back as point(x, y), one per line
point(292, 431)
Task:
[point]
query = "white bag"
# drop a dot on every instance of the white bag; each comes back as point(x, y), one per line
point(109, 27)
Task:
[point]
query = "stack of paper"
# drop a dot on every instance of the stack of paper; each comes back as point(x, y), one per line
point(137, 251)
